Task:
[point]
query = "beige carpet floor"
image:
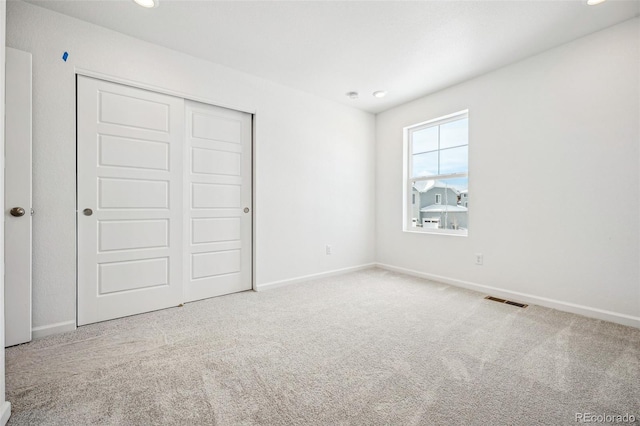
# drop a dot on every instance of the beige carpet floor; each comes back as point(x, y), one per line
point(366, 348)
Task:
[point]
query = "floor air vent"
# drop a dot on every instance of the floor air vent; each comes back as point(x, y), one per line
point(508, 302)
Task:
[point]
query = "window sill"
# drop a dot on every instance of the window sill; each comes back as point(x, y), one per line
point(450, 232)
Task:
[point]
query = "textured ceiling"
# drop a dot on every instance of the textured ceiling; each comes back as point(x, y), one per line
point(408, 48)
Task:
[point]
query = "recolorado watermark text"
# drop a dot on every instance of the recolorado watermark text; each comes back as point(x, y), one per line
point(604, 418)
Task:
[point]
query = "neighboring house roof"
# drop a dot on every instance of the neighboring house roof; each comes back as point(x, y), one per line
point(425, 185)
point(441, 208)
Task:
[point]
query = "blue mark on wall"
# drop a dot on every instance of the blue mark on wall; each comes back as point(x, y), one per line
point(65, 55)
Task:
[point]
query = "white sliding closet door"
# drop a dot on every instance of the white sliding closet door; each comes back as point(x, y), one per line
point(130, 206)
point(218, 195)
point(164, 201)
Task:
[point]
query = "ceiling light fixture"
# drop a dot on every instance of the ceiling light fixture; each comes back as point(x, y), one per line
point(147, 3)
point(352, 95)
point(595, 2)
point(379, 94)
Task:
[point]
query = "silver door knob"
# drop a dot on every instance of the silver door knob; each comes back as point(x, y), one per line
point(17, 211)
point(246, 209)
point(87, 212)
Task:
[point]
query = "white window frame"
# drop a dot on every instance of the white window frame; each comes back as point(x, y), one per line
point(438, 199)
point(409, 181)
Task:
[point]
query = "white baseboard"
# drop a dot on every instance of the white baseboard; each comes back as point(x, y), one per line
point(5, 413)
point(573, 308)
point(47, 330)
point(276, 284)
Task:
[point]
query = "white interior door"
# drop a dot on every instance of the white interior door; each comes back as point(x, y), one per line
point(17, 290)
point(129, 212)
point(218, 201)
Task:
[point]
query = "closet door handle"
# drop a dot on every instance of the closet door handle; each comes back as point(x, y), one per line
point(17, 212)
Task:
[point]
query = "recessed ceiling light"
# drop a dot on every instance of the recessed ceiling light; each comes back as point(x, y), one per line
point(147, 3)
point(380, 94)
point(595, 2)
point(352, 95)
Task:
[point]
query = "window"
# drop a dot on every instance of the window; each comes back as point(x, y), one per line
point(437, 175)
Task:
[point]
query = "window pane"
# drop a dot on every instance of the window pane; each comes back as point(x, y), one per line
point(454, 134)
point(454, 160)
point(425, 164)
point(425, 140)
point(441, 204)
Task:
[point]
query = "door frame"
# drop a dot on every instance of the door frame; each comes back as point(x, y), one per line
point(140, 85)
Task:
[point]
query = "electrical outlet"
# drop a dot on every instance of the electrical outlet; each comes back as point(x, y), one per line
point(327, 249)
point(479, 258)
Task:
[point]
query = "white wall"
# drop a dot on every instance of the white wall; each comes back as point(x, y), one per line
point(554, 182)
point(314, 158)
